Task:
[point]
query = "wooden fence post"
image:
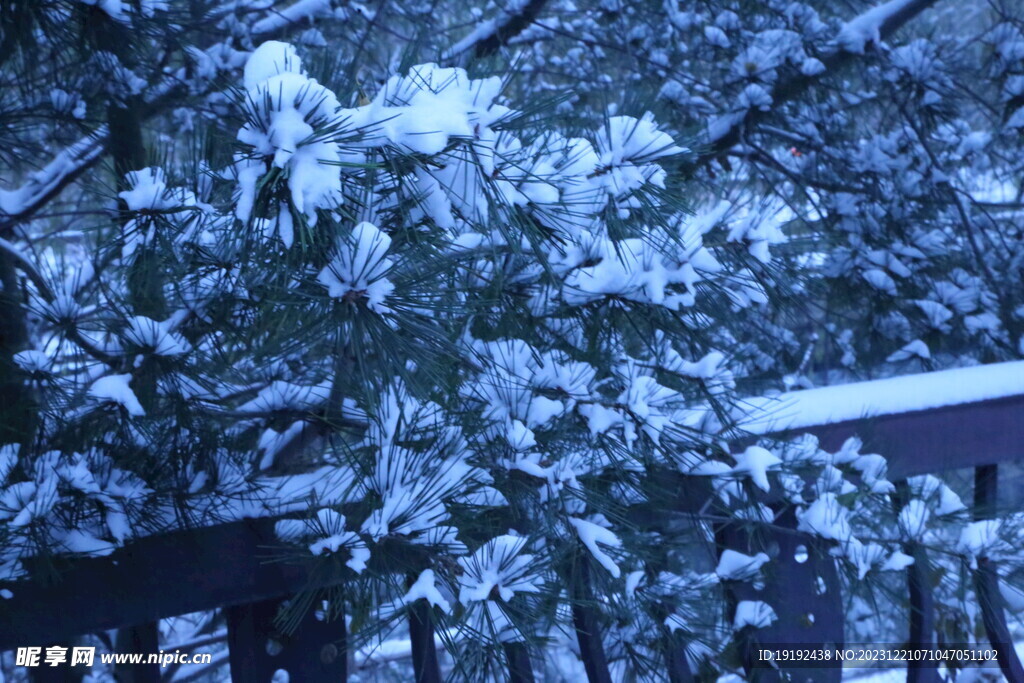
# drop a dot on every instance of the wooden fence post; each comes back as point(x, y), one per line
point(315, 652)
point(986, 579)
point(421, 639)
point(144, 638)
point(804, 594)
point(520, 670)
point(922, 615)
point(586, 620)
point(921, 632)
point(63, 673)
point(676, 661)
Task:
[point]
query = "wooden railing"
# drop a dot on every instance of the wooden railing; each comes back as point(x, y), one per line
point(235, 567)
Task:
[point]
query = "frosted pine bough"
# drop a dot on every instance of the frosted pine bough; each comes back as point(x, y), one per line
point(460, 297)
point(405, 220)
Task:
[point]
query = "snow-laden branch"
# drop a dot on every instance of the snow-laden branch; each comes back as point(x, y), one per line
point(869, 26)
point(490, 35)
point(280, 20)
point(874, 25)
point(20, 203)
point(48, 181)
point(25, 264)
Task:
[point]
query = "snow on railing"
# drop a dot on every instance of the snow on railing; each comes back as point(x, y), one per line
point(875, 398)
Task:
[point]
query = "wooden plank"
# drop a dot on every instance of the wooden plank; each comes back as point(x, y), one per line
point(676, 661)
point(140, 638)
point(58, 674)
point(152, 578)
point(921, 621)
point(896, 395)
point(922, 616)
point(199, 569)
point(425, 665)
point(520, 670)
point(586, 620)
point(935, 440)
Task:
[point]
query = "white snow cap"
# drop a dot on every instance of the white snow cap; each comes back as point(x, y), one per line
point(755, 462)
point(270, 59)
point(359, 268)
point(865, 28)
point(331, 535)
point(591, 534)
point(425, 588)
point(285, 108)
point(497, 566)
point(736, 566)
point(115, 388)
point(827, 518)
point(754, 613)
point(630, 139)
point(149, 190)
point(158, 336)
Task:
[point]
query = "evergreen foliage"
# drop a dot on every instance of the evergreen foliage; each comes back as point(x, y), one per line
point(470, 302)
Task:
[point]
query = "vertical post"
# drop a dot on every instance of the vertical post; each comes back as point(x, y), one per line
point(922, 602)
point(17, 409)
point(315, 652)
point(675, 658)
point(805, 596)
point(63, 673)
point(585, 620)
point(421, 637)
point(145, 639)
point(520, 670)
point(922, 615)
point(986, 579)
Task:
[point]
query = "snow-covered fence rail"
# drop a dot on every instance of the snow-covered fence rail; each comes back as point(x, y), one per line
point(962, 418)
point(969, 417)
point(925, 423)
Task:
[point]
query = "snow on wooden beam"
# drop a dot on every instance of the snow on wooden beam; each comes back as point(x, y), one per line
point(922, 423)
point(932, 441)
point(890, 396)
